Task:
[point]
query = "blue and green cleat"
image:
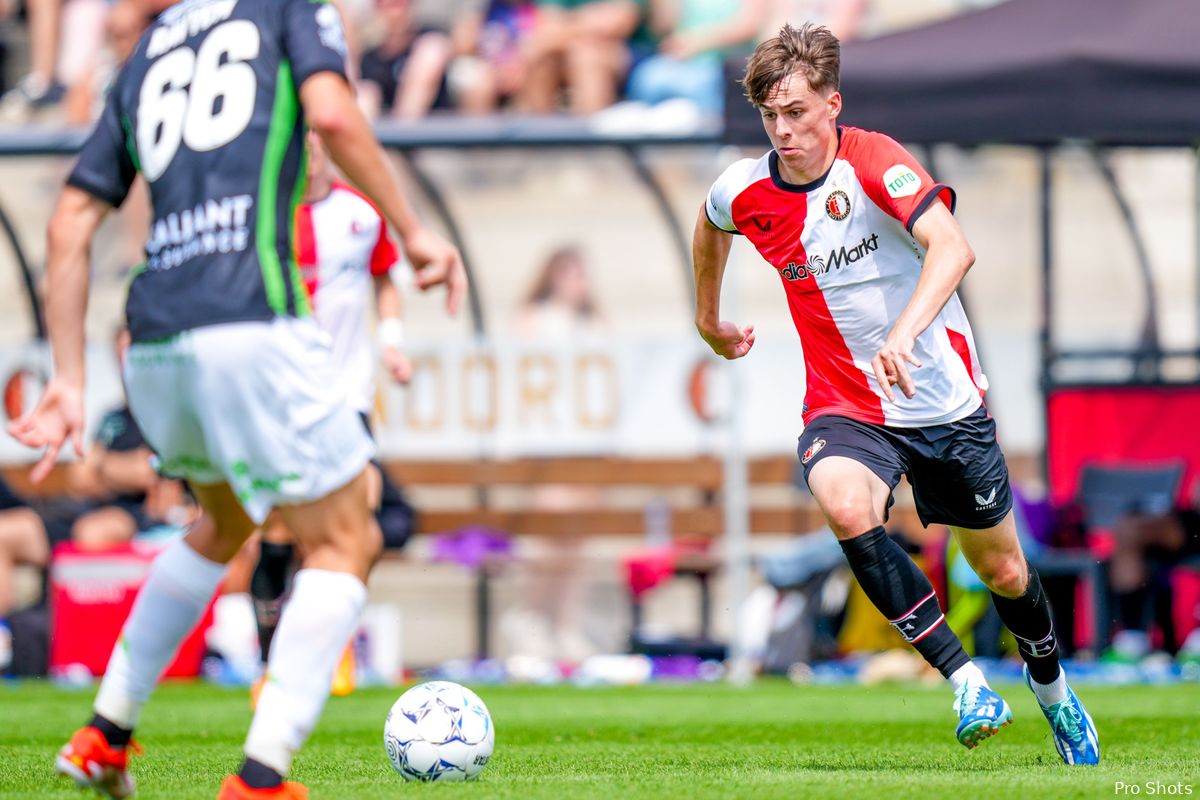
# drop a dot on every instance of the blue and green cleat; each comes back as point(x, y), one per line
point(1075, 736)
point(981, 714)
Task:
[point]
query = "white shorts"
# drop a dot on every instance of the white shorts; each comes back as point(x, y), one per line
point(257, 405)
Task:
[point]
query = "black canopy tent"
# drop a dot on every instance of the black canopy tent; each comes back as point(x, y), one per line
point(1036, 72)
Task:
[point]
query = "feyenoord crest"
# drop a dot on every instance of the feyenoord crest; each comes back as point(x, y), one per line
point(812, 450)
point(837, 205)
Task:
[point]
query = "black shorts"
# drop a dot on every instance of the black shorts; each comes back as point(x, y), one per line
point(957, 470)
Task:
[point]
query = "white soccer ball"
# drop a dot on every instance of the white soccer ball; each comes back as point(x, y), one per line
point(439, 731)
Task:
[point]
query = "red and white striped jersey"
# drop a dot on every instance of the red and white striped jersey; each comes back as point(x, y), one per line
point(844, 250)
point(341, 243)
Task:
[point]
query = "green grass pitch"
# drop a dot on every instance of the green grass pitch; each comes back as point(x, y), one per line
point(770, 740)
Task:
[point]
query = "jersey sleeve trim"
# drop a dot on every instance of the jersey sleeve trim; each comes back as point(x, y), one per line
point(935, 191)
point(708, 216)
point(96, 190)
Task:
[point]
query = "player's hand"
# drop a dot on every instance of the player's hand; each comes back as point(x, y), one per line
point(58, 416)
point(397, 365)
point(891, 366)
point(729, 341)
point(438, 262)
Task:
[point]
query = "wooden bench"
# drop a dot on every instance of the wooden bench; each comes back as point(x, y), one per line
point(701, 515)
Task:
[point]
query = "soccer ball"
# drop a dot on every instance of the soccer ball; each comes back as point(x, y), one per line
point(439, 731)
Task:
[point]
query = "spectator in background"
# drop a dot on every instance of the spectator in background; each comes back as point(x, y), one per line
point(403, 77)
point(698, 36)
point(585, 47)
point(123, 26)
point(488, 67)
point(23, 541)
point(1146, 547)
point(843, 18)
point(40, 88)
point(560, 303)
point(559, 309)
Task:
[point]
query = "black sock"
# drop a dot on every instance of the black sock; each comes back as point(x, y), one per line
point(268, 586)
point(1028, 617)
point(904, 595)
point(257, 775)
point(114, 734)
point(1132, 607)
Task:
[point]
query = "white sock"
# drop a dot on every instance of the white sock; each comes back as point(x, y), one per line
point(180, 586)
point(967, 673)
point(316, 624)
point(1049, 694)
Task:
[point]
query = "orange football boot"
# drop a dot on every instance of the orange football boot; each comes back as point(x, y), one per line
point(234, 788)
point(91, 762)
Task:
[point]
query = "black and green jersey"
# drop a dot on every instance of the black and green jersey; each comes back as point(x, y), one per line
point(207, 111)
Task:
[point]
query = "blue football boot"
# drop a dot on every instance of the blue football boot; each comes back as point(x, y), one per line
point(981, 713)
point(1075, 736)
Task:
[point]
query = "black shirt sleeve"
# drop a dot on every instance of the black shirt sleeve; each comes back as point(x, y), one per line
point(106, 166)
point(314, 39)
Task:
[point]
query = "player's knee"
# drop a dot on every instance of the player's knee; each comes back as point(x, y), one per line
point(1006, 576)
point(849, 516)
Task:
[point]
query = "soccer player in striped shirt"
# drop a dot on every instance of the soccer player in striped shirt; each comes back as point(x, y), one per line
point(870, 257)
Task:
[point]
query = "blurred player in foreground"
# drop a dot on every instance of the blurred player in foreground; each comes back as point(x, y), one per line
point(870, 257)
point(228, 377)
point(344, 250)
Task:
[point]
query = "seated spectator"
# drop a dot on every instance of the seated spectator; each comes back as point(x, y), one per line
point(585, 47)
point(40, 88)
point(123, 26)
point(404, 76)
point(1146, 547)
point(22, 542)
point(488, 67)
point(699, 36)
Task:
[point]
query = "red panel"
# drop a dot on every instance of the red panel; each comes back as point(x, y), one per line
point(963, 348)
point(306, 248)
point(91, 594)
point(1121, 425)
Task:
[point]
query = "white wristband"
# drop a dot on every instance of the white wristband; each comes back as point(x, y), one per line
point(390, 332)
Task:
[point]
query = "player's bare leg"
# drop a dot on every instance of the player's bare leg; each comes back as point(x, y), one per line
point(341, 542)
point(995, 555)
point(182, 582)
point(272, 579)
point(854, 500)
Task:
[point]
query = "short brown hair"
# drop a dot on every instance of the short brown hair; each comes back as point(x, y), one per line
point(811, 50)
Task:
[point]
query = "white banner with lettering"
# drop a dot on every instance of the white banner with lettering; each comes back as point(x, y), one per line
point(507, 399)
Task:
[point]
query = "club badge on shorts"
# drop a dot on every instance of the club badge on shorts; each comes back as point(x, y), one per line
point(812, 450)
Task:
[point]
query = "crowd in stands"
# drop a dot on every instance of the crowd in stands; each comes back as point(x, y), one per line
point(469, 56)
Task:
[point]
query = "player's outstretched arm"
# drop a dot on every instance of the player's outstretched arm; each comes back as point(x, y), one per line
point(58, 415)
point(948, 257)
point(331, 111)
point(389, 311)
point(710, 251)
